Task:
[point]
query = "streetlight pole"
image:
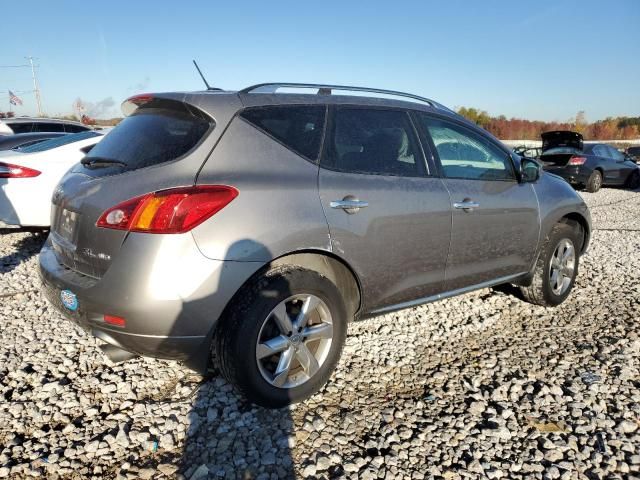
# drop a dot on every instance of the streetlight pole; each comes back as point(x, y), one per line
point(35, 86)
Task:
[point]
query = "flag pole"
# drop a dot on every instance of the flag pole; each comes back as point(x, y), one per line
point(35, 86)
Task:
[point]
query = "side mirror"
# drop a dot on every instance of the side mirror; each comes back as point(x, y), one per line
point(529, 170)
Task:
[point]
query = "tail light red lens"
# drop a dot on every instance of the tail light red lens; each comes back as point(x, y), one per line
point(176, 210)
point(132, 103)
point(9, 170)
point(113, 320)
point(577, 160)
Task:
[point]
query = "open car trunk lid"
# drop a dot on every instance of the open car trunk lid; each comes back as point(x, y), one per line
point(561, 138)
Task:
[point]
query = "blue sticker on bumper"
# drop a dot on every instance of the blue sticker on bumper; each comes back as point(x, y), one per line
point(69, 300)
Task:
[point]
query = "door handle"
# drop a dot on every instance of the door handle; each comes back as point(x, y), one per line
point(349, 205)
point(466, 205)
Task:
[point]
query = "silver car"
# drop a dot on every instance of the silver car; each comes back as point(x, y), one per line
point(247, 229)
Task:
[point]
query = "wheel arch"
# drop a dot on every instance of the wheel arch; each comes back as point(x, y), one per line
point(577, 219)
point(320, 261)
point(332, 267)
point(573, 218)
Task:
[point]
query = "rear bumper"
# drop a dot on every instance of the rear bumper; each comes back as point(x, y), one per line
point(160, 346)
point(171, 299)
point(574, 174)
point(24, 202)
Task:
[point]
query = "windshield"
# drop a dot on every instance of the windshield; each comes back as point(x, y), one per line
point(56, 142)
point(561, 150)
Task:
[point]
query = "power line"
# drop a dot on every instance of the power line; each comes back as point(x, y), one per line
point(36, 88)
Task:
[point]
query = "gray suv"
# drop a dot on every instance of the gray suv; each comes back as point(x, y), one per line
point(246, 229)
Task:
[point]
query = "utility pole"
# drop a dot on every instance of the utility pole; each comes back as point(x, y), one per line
point(35, 86)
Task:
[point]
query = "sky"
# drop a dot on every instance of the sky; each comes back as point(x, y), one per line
point(540, 60)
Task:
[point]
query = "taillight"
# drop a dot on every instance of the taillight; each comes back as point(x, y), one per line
point(577, 160)
point(176, 210)
point(132, 103)
point(8, 170)
point(113, 320)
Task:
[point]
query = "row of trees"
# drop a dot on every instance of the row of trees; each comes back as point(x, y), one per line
point(618, 128)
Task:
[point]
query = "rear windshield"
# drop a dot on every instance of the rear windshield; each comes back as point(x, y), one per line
point(150, 136)
point(56, 142)
point(561, 150)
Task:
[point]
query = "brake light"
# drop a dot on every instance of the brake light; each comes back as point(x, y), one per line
point(8, 170)
point(176, 210)
point(132, 103)
point(113, 320)
point(577, 160)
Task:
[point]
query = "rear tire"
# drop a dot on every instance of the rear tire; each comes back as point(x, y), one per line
point(262, 334)
point(633, 180)
point(556, 268)
point(595, 182)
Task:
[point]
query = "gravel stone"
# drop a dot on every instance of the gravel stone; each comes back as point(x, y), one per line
point(481, 385)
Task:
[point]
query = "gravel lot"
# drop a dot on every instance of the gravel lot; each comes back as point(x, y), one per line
point(479, 386)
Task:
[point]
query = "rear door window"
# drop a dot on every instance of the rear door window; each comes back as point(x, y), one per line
point(150, 136)
point(373, 141)
point(297, 127)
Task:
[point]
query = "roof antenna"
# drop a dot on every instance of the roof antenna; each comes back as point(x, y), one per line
point(209, 87)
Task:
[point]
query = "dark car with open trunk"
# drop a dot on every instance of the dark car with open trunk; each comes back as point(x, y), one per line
point(588, 166)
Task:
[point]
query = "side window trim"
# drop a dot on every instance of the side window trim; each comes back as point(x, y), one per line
point(425, 150)
point(315, 161)
point(472, 134)
point(426, 140)
point(329, 136)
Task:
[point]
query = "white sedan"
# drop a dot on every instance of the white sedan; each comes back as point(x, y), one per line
point(29, 175)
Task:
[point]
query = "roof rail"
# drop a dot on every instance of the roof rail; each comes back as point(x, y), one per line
point(327, 90)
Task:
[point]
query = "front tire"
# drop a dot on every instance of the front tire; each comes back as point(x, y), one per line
point(594, 183)
point(633, 181)
point(557, 267)
point(282, 337)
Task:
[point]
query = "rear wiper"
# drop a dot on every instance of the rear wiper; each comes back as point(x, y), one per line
point(97, 162)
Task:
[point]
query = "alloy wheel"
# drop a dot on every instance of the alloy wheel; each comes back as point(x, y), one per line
point(563, 264)
point(294, 341)
point(597, 182)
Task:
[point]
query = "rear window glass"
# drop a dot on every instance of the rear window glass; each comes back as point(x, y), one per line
point(150, 136)
point(57, 142)
point(561, 150)
point(75, 128)
point(22, 127)
point(297, 127)
point(48, 127)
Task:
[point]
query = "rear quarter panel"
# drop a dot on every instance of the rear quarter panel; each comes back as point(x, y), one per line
point(278, 209)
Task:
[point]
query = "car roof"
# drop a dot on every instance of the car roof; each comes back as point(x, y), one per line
point(257, 96)
point(42, 120)
point(212, 102)
point(32, 135)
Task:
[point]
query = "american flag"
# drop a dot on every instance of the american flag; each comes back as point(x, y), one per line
point(14, 99)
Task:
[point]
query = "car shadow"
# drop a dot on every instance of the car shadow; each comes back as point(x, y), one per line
point(25, 248)
point(227, 436)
